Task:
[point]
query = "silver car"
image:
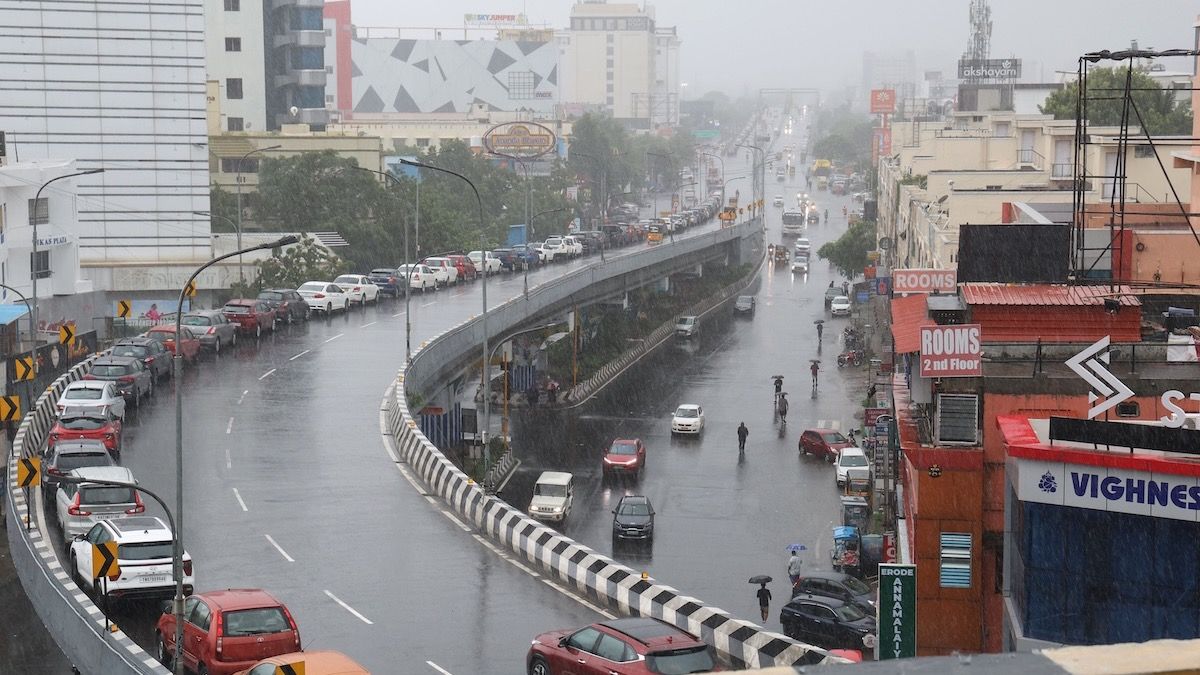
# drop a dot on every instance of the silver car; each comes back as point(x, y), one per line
point(212, 328)
point(81, 505)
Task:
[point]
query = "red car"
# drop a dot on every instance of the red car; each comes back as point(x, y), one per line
point(166, 335)
point(628, 646)
point(625, 455)
point(228, 631)
point(466, 268)
point(823, 443)
point(251, 316)
point(95, 423)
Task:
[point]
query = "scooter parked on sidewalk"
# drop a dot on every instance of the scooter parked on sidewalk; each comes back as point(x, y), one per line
point(853, 357)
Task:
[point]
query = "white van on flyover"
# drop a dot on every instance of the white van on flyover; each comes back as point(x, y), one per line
point(552, 496)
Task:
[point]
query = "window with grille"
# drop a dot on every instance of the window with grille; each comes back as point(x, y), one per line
point(233, 5)
point(1143, 151)
point(521, 85)
point(40, 264)
point(39, 211)
point(233, 44)
point(956, 560)
point(236, 124)
point(957, 419)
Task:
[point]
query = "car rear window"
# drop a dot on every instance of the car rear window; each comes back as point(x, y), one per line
point(853, 460)
point(151, 550)
point(84, 394)
point(130, 350)
point(108, 371)
point(346, 280)
point(313, 287)
point(268, 295)
point(196, 321)
point(255, 621)
point(106, 494)
point(83, 422)
point(79, 460)
point(834, 437)
point(235, 309)
point(681, 661)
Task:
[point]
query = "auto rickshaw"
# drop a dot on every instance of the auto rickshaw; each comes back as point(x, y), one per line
point(856, 511)
point(654, 235)
point(847, 549)
point(780, 254)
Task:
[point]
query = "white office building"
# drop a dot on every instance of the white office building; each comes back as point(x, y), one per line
point(233, 44)
point(118, 87)
point(56, 215)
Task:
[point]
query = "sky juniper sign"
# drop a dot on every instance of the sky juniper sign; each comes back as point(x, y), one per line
point(897, 611)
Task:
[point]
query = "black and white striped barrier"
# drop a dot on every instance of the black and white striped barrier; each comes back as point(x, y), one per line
point(78, 626)
point(595, 576)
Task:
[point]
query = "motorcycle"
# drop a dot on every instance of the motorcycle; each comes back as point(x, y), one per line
point(853, 357)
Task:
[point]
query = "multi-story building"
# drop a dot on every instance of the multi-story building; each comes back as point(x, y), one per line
point(889, 70)
point(667, 78)
point(408, 131)
point(267, 58)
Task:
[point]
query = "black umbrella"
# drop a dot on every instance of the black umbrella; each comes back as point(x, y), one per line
point(760, 579)
point(818, 320)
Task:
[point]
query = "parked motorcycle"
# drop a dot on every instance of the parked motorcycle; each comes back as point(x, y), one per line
point(853, 357)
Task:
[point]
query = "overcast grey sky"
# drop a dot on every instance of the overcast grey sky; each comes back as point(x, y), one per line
point(740, 45)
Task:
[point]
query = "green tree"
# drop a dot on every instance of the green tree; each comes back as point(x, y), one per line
point(1161, 112)
point(844, 137)
point(223, 207)
point(314, 191)
point(305, 261)
point(848, 253)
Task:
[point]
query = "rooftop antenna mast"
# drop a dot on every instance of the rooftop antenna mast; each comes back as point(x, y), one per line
point(980, 45)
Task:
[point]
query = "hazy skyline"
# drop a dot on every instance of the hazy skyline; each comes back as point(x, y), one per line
point(806, 44)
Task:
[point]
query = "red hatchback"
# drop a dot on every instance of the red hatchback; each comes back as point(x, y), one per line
point(252, 316)
point(627, 646)
point(823, 443)
point(94, 423)
point(228, 631)
point(466, 268)
point(625, 455)
point(166, 335)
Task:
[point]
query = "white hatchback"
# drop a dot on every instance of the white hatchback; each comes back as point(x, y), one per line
point(850, 458)
point(92, 394)
point(840, 306)
point(476, 257)
point(420, 277)
point(688, 419)
point(443, 267)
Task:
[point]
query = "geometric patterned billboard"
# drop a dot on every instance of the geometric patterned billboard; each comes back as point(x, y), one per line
point(406, 76)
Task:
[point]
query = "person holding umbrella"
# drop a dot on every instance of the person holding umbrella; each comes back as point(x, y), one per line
point(764, 595)
point(795, 567)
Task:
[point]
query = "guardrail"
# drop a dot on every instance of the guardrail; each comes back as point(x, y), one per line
point(597, 576)
point(76, 623)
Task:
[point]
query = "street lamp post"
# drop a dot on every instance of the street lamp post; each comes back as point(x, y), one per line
point(722, 161)
point(407, 270)
point(177, 378)
point(759, 175)
point(664, 156)
point(238, 180)
point(210, 215)
point(487, 366)
point(33, 220)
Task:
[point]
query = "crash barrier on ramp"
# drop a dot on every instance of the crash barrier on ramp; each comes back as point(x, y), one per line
point(589, 573)
point(68, 613)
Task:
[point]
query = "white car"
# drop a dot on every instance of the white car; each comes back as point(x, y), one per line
point(79, 505)
point(440, 276)
point(552, 496)
point(803, 245)
point(688, 419)
point(800, 264)
point(840, 306)
point(544, 255)
point(323, 296)
point(93, 394)
point(850, 458)
point(420, 277)
point(574, 246)
point(493, 263)
point(554, 248)
point(144, 554)
point(360, 289)
point(687, 326)
point(443, 265)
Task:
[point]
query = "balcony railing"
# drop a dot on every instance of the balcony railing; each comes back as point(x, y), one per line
point(1062, 170)
point(1030, 157)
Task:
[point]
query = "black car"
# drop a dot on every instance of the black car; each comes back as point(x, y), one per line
point(837, 585)
point(131, 377)
point(507, 256)
point(633, 519)
point(831, 293)
point(290, 307)
point(68, 455)
point(744, 304)
point(389, 280)
point(828, 623)
point(153, 354)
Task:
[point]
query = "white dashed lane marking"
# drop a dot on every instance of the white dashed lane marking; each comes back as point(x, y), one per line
point(299, 355)
point(241, 503)
point(334, 338)
point(229, 427)
point(348, 608)
point(280, 549)
point(266, 375)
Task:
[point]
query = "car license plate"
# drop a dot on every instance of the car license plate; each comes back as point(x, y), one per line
point(155, 578)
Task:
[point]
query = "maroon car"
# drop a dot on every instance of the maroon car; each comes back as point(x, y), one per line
point(466, 268)
point(823, 443)
point(633, 646)
point(251, 316)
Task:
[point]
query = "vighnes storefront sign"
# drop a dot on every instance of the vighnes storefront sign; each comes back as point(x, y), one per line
point(989, 69)
point(1141, 493)
point(897, 611)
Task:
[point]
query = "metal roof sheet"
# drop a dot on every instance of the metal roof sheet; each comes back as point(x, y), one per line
point(908, 315)
point(1045, 294)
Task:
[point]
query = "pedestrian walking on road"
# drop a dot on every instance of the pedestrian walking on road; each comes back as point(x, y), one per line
point(742, 433)
point(764, 601)
point(815, 368)
point(795, 566)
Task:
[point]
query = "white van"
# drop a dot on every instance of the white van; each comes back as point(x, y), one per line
point(552, 496)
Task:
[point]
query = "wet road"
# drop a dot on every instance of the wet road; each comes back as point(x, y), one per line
point(289, 488)
point(719, 518)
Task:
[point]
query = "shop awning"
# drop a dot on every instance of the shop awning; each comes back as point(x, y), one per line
point(909, 313)
point(10, 313)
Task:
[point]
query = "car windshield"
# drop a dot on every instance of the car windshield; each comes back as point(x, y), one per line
point(196, 321)
point(681, 661)
point(550, 490)
point(108, 371)
point(634, 509)
point(852, 460)
point(842, 300)
point(235, 309)
point(255, 621)
point(849, 613)
point(150, 550)
point(84, 393)
point(106, 495)
point(833, 437)
point(687, 321)
point(744, 300)
point(623, 449)
point(856, 587)
point(688, 413)
point(270, 295)
point(83, 422)
point(159, 336)
point(129, 350)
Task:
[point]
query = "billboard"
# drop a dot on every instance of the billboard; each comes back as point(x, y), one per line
point(883, 101)
point(522, 140)
point(924, 280)
point(989, 69)
point(897, 611)
point(881, 143)
point(1014, 254)
point(951, 351)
